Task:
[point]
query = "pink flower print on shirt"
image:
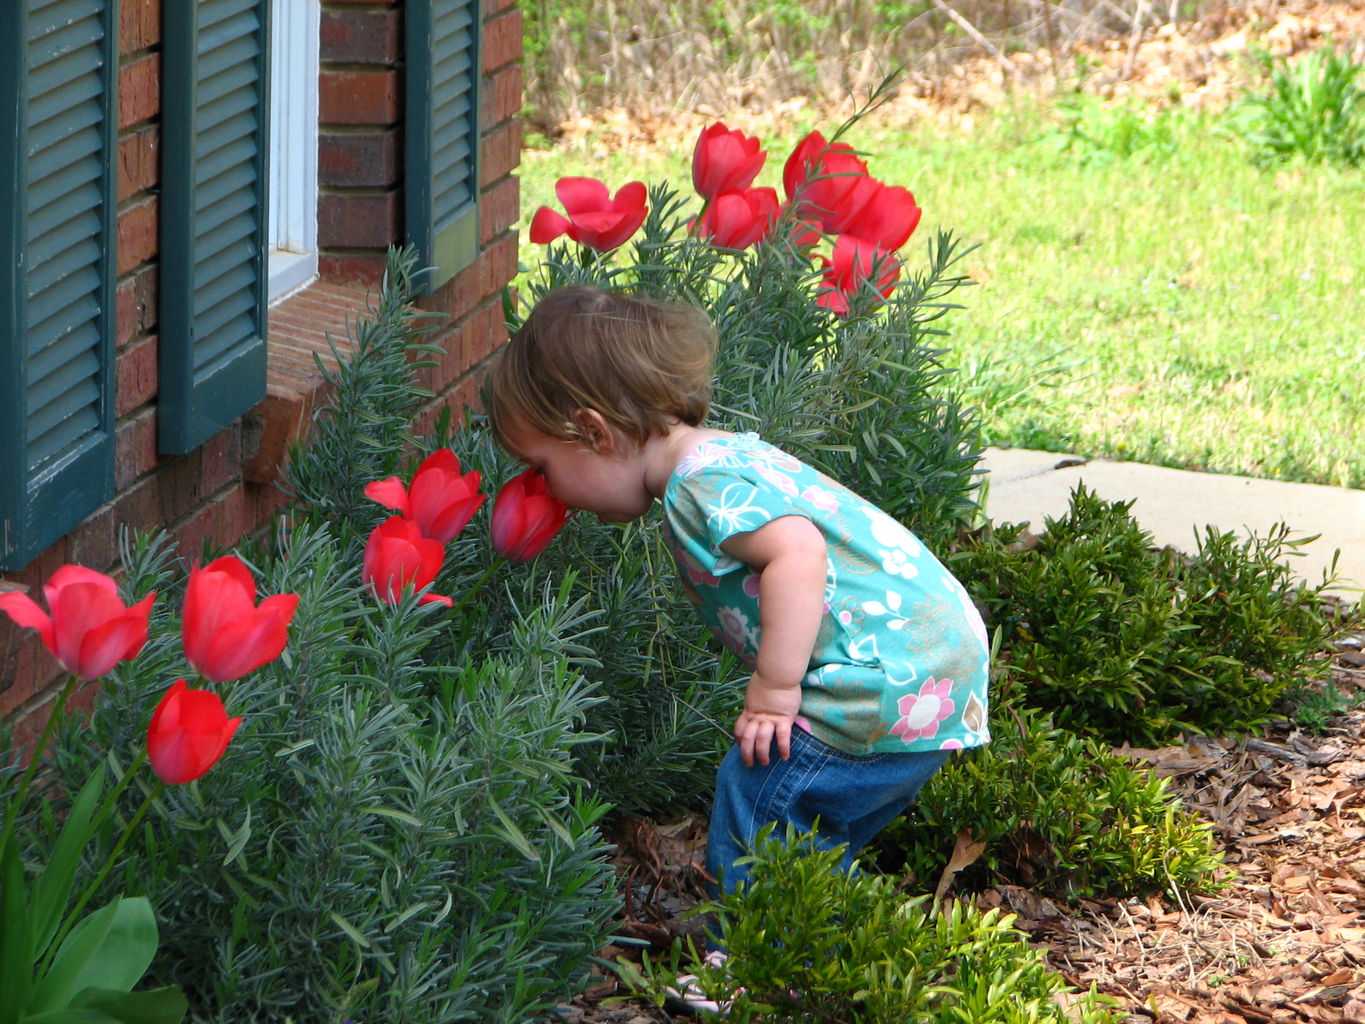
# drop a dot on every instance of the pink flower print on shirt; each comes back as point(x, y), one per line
point(698, 576)
point(750, 584)
point(777, 478)
point(821, 499)
point(735, 630)
point(921, 713)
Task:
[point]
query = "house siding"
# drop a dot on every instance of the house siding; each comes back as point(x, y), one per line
point(224, 489)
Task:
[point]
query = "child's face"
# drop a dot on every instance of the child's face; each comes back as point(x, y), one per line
point(609, 482)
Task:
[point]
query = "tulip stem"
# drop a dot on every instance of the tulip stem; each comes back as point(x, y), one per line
point(20, 796)
point(75, 913)
point(479, 584)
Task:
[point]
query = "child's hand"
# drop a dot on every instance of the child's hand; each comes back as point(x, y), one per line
point(768, 716)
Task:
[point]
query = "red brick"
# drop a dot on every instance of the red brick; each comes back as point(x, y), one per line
point(139, 90)
point(358, 97)
point(136, 372)
point(502, 95)
point(181, 485)
point(369, 159)
point(368, 3)
point(135, 305)
point(499, 209)
point(501, 152)
point(494, 7)
point(502, 41)
point(139, 25)
point(351, 268)
point(349, 220)
point(217, 525)
point(137, 234)
point(222, 459)
point(138, 161)
point(94, 542)
point(361, 37)
point(134, 449)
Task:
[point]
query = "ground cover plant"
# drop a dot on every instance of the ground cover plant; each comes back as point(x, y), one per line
point(1146, 291)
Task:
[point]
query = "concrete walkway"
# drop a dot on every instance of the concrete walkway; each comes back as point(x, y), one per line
point(1175, 505)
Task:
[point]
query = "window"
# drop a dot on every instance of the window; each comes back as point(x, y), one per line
point(291, 233)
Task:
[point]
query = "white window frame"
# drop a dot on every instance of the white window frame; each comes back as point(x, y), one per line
point(292, 230)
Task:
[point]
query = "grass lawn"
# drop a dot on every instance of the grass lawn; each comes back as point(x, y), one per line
point(1145, 292)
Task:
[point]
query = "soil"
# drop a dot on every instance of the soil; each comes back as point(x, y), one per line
point(1285, 941)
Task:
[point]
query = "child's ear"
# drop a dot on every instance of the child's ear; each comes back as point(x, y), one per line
point(592, 425)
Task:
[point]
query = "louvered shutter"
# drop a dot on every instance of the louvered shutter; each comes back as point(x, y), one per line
point(441, 207)
point(58, 64)
point(213, 174)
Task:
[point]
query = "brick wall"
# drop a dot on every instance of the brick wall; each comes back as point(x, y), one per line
point(223, 490)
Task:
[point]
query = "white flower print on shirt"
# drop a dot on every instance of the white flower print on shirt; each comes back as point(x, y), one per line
point(890, 611)
point(735, 510)
point(736, 632)
point(900, 548)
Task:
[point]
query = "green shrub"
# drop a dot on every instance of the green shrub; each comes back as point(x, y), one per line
point(1119, 640)
point(1313, 108)
point(1058, 812)
point(384, 839)
point(810, 942)
point(1096, 131)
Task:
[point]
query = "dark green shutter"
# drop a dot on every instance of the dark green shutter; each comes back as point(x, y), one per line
point(58, 75)
point(213, 178)
point(441, 182)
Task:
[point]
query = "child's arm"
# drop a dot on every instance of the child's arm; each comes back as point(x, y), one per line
point(789, 554)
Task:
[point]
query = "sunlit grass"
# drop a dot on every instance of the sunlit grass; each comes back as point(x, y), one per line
point(1176, 305)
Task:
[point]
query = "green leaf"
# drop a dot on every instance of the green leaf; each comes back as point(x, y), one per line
point(70, 1017)
point(110, 948)
point(155, 1006)
point(16, 949)
point(53, 890)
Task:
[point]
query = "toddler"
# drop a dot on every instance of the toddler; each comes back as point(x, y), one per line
point(868, 660)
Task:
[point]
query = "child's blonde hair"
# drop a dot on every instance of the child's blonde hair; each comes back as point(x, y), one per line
point(641, 363)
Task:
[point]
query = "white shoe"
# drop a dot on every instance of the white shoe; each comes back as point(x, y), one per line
point(687, 995)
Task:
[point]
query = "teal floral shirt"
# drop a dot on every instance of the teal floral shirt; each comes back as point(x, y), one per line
point(901, 659)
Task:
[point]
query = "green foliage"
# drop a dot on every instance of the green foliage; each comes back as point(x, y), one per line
point(1058, 812)
point(1118, 640)
point(1313, 108)
point(1096, 131)
point(809, 942)
point(386, 838)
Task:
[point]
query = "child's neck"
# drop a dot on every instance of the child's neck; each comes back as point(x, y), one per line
point(662, 453)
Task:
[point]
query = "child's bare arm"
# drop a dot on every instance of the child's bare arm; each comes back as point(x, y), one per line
point(789, 554)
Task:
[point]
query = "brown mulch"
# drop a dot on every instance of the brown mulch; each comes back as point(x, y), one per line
point(1284, 942)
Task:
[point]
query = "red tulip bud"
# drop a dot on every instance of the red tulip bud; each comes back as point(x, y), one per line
point(188, 733)
point(725, 160)
point(87, 627)
point(526, 517)
point(397, 555)
point(736, 220)
point(853, 263)
point(225, 633)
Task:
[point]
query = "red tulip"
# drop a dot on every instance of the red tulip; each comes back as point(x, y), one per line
point(526, 517)
point(853, 263)
point(398, 555)
point(725, 160)
point(736, 220)
point(595, 219)
point(819, 175)
point(225, 633)
point(440, 499)
point(188, 733)
point(89, 630)
point(885, 215)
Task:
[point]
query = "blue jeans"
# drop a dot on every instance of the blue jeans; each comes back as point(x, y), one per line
point(854, 797)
